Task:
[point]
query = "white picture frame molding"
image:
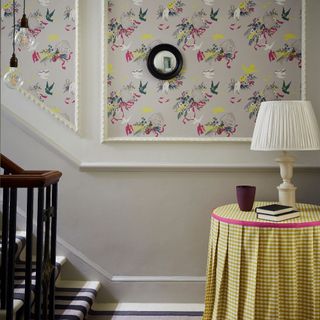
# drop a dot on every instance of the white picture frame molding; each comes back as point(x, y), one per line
point(71, 125)
point(104, 91)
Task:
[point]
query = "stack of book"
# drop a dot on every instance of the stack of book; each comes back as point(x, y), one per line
point(276, 212)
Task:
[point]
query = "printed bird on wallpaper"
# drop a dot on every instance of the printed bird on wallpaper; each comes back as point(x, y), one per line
point(60, 52)
point(137, 74)
point(224, 125)
point(271, 91)
point(121, 102)
point(243, 9)
point(154, 126)
point(70, 18)
point(171, 9)
point(261, 29)
point(38, 21)
point(69, 88)
point(225, 51)
point(122, 28)
point(38, 91)
point(44, 3)
point(190, 29)
point(109, 79)
point(189, 104)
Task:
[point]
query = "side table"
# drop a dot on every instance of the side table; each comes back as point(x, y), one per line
point(261, 270)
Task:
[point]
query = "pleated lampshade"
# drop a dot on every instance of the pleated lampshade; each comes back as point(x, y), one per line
point(286, 125)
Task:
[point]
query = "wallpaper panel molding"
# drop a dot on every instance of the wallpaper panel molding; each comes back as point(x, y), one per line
point(223, 126)
point(50, 69)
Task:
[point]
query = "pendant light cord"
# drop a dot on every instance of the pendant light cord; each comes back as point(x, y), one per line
point(14, 27)
point(24, 6)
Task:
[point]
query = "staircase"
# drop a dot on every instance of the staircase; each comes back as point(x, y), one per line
point(30, 282)
point(73, 299)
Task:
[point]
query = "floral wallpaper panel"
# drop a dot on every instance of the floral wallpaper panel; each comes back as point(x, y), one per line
point(236, 55)
point(49, 67)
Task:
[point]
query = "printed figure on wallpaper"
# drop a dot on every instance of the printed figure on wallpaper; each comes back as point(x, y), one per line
point(138, 55)
point(61, 52)
point(171, 9)
point(167, 86)
point(262, 29)
point(288, 53)
point(270, 92)
point(224, 125)
point(243, 9)
point(121, 102)
point(69, 88)
point(245, 82)
point(190, 103)
point(70, 18)
point(226, 51)
point(190, 29)
point(154, 126)
point(42, 93)
point(122, 28)
point(7, 12)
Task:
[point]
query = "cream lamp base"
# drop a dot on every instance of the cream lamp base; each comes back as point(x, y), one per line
point(287, 191)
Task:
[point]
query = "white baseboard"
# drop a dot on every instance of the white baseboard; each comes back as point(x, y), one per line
point(151, 307)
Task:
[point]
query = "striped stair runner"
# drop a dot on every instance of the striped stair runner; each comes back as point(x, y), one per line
point(73, 298)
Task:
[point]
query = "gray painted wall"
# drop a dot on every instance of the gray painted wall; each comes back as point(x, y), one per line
point(145, 223)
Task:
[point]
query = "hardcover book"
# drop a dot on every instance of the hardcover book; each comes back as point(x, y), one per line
point(279, 217)
point(274, 209)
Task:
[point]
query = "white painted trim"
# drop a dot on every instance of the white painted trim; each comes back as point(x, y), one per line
point(72, 125)
point(151, 307)
point(67, 247)
point(182, 167)
point(158, 279)
point(137, 166)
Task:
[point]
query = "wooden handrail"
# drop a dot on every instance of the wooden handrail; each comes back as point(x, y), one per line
point(9, 165)
point(20, 178)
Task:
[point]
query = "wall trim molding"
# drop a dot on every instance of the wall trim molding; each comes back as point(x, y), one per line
point(70, 249)
point(149, 307)
point(86, 166)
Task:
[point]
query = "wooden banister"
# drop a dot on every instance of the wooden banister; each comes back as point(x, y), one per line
point(20, 178)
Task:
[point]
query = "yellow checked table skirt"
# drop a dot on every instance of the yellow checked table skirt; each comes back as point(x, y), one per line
point(260, 270)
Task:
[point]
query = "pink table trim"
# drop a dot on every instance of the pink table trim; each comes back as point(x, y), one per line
point(266, 224)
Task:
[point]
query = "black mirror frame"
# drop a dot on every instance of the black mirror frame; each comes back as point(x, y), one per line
point(164, 47)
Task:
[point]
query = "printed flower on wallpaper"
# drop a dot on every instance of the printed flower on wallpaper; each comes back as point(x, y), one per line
point(190, 103)
point(191, 29)
point(236, 54)
point(236, 12)
point(48, 68)
point(217, 126)
point(123, 27)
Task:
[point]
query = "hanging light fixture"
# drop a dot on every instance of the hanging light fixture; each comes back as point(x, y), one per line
point(24, 38)
point(12, 78)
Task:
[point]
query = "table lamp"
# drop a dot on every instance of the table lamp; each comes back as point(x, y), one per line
point(286, 126)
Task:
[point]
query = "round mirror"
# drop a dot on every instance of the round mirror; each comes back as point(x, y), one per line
point(164, 61)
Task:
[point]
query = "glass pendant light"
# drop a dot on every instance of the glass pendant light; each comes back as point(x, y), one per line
point(24, 38)
point(12, 78)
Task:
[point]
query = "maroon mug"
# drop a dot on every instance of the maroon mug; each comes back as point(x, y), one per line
point(245, 197)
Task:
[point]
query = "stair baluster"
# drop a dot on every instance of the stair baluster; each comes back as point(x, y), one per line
point(15, 178)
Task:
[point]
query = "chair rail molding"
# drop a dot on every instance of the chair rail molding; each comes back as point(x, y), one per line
point(105, 166)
